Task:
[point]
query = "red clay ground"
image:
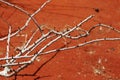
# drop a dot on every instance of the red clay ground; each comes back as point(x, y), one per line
point(97, 61)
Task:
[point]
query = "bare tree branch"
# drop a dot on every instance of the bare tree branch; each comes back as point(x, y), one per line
point(26, 54)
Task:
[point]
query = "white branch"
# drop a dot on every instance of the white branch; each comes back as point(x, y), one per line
point(8, 45)
point(49, 37)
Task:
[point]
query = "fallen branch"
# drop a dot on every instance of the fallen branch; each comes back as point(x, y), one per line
point(49, 38)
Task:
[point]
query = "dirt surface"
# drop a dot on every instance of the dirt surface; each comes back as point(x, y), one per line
point(96, 61)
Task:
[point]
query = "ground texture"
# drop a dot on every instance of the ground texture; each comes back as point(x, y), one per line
point(96, 61)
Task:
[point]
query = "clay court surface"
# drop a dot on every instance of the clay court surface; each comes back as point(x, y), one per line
point(96, 61)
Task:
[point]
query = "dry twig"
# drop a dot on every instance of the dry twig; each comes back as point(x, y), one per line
point(26, 51)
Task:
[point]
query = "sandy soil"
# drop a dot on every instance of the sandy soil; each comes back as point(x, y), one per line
point(97, 61)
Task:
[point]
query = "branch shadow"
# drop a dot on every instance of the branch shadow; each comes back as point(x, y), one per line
point(41, 66)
